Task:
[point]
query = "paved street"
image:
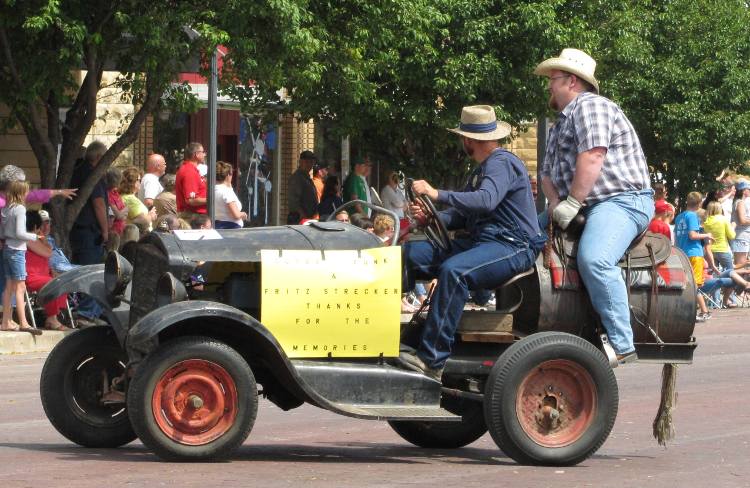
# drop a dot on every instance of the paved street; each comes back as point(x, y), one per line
point(311, 447)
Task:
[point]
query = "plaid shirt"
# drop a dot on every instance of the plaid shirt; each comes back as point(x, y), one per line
point(587, 122)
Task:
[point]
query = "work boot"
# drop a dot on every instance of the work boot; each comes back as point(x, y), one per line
point(411, 361)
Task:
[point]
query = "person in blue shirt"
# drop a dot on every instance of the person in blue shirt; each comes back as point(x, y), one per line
point(496, 209)
point(689, 238)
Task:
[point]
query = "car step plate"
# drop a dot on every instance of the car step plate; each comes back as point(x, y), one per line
point(381, 412)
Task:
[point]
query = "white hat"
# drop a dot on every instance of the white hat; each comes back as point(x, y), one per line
point(480, 122)
point(44, 215)
point(11, 172)
point(572, 61)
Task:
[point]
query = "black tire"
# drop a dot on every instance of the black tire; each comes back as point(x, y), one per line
point(445, 435)
point(222, 370)
point(71, 388)
point(543, 376)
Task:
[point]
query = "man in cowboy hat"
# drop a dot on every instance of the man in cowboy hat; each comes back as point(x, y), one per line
point(594, 163)
point(497, 211)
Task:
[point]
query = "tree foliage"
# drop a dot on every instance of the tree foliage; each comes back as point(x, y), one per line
point(681, 71)
point(393, 74)
point(45, 43)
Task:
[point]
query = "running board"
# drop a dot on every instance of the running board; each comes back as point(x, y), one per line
point(367, 384)
point(380, 412)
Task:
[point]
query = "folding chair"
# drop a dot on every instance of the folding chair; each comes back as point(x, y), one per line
point(710, 300)
point(31, 306)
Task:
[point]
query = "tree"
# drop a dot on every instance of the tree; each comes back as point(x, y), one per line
point(393, 74)
point(44, 43)
point(680, 71)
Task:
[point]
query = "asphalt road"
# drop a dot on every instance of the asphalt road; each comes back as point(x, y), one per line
point(312, 447)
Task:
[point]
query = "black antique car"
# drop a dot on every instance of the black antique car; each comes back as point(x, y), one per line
point(184, 358)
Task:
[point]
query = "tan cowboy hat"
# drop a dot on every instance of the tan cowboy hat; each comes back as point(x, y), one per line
point(572, 61)
point(480, 122)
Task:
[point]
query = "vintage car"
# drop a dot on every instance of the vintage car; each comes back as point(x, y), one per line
point(200, 326)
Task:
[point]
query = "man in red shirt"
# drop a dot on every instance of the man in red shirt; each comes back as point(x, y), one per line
point(662, 218)
point(190, 187)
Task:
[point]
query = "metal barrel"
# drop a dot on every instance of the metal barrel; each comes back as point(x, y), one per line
point(546, 308)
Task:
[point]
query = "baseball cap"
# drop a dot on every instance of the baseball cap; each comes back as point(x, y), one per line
point(742, 185)
point(307, 154)
point(44, 215)
point(360, 160)
point(662, 207)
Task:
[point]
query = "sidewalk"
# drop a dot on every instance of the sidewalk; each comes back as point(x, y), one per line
point(23, 342)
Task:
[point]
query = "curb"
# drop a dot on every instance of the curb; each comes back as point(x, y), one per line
point(23, 342)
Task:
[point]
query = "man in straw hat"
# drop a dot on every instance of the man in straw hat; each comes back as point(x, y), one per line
point(497, 210)
point(594, 163)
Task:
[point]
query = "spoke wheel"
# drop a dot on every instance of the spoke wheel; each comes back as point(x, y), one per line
point(78, 389)
point(551, 399)
point(195, 402)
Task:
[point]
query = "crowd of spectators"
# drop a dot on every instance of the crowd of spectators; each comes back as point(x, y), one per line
point(122, 207)
point(714, 232)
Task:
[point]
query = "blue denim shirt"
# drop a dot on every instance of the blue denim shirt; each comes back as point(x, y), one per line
point(58, 261)
point(496, 204)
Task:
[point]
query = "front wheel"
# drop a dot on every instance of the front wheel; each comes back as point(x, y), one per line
point(82, 389)
point(551, 399)
point(193, 399)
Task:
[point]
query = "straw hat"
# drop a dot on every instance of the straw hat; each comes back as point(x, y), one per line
point(572, 61)
point(480, 122)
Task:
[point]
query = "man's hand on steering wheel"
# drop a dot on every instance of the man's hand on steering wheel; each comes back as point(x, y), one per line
point(418, 213)
point(421, 187)
point(421, 195)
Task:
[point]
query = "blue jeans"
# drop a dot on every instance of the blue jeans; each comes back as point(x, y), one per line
point(224, 224)
point(610, 228)
point(471, 265)
point(86, 244)
point(14, 264)
point(725, 260)
point(715, 284)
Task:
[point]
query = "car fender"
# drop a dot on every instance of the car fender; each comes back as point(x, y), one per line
point(89, 280)
point(143, 338)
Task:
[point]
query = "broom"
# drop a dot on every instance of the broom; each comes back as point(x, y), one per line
point(663, 428)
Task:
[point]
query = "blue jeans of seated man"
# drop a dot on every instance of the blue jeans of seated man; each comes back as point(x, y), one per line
point(715, 284)
point(87, 249)
point(610, 228)
point(470, 265)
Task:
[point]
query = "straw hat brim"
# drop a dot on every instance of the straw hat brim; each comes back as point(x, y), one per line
point(501, 132)
point(545, 67)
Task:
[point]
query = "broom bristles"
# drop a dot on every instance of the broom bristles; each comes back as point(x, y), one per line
point(663, 427)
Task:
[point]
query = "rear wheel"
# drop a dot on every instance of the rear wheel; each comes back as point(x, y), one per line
point(551, 399)
point(446, 435)
point(82, 389)
point(193, 399)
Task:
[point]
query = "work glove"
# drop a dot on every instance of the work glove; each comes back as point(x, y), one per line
point(566, 211)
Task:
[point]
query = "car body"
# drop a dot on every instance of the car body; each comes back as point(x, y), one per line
point(183, 355)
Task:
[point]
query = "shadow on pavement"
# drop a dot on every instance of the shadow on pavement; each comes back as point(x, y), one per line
point(348, 452)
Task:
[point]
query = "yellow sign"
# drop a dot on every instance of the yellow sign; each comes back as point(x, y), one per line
point(337, 303)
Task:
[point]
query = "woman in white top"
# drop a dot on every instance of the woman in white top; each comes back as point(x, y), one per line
point(392, 197)
point(229, 214)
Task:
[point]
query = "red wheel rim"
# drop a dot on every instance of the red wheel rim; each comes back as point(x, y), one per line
point(195, 402)
point(556, 403)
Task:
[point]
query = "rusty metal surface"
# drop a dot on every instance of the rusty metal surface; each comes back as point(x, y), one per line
point(548, 309)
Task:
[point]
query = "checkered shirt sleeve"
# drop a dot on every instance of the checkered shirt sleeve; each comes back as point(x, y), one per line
point(588, 122)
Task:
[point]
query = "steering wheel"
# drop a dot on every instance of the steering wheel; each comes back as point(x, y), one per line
point(435, 229)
